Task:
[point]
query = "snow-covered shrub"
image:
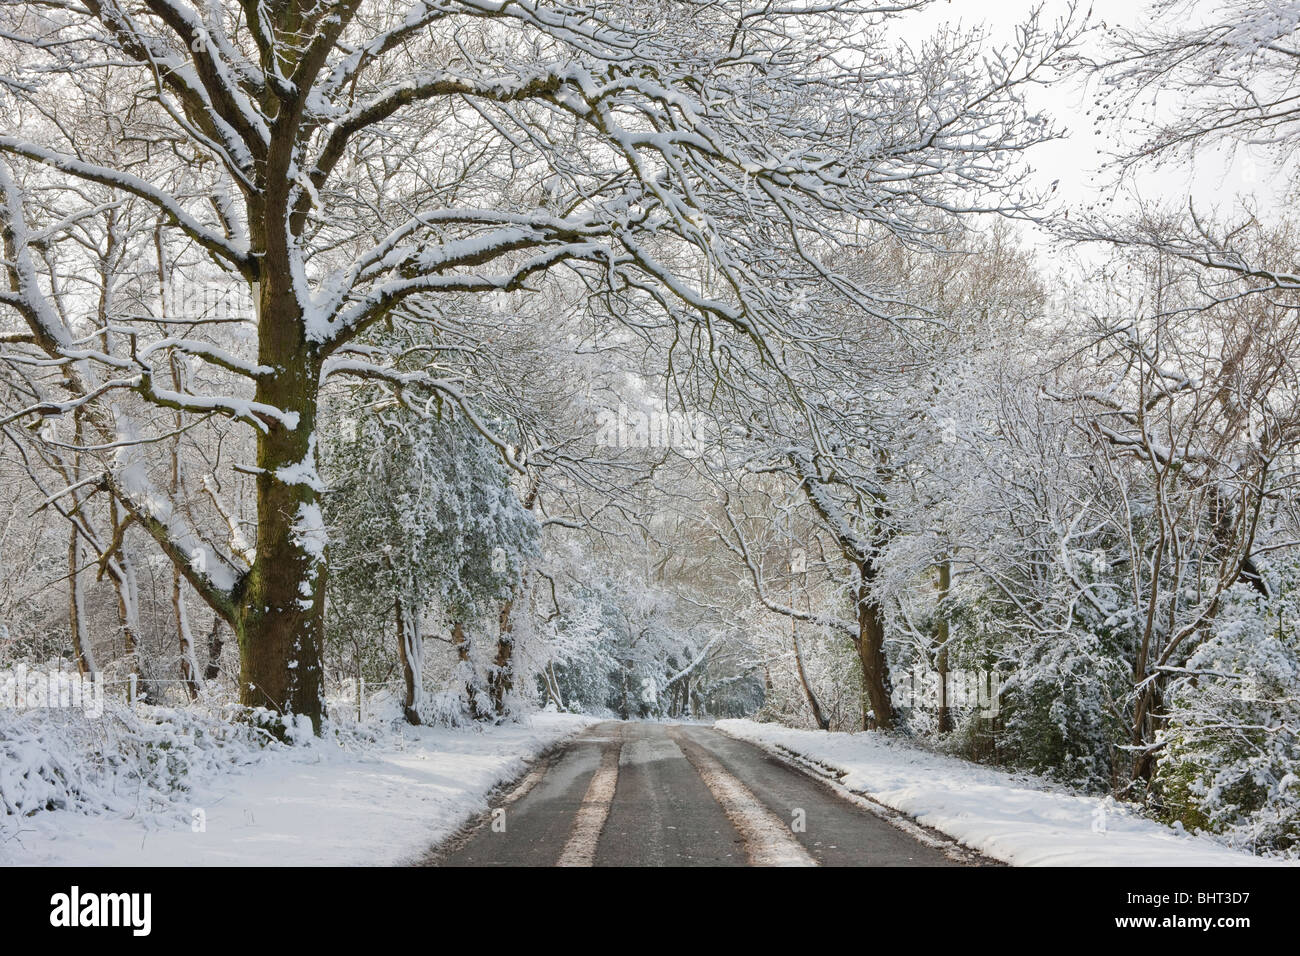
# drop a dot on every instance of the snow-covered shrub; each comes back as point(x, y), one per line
point(446, 708)
point(1056, 693)
point(34, 775)
point(126, 761)
point(1056, 713)
point(1231, 759)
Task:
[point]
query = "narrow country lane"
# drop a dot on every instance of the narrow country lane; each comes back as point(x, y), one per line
point(648, 794)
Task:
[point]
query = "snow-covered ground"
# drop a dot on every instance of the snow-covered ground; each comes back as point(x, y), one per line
point(1016, 818)
point(330, 802)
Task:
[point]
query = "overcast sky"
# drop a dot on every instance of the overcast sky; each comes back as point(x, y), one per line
point(1214, 179)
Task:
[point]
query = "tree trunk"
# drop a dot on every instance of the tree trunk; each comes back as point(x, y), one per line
point(870, 640)
point(189, 666)
point(941, 657)
point(813, 703)
point(410, 648)
point(128, 612)
point(137, 688)
point(1144, 730)
point(875, 672)
point(76, 610)
point(866, 705)
point(81, 650)
point(281, 622)
point(502, 679)
point(461, 641)
point(553, 686)
point(213, 668)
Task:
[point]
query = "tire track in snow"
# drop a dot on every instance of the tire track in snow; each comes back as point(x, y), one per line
point(580, 850)
point(768, 841)
point(534, 777)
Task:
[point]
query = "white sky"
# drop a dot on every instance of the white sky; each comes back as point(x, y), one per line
point(1214, 179)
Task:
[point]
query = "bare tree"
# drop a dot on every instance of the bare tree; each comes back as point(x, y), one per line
point(1194, 419)
point(347, 161)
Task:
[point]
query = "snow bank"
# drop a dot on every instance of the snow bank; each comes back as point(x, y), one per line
point(157, 787)
point(1017, 818)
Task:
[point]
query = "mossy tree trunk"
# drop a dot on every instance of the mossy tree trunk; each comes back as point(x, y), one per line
point(871, 654)
point(281, 619)
point(501, 680)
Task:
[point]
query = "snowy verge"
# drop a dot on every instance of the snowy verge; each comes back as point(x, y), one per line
point(341, 801)
point(1016, 818)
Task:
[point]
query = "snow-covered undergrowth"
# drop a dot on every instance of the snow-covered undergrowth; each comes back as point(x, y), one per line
point(155, 785)
point(1017, 818)
point(125, 762)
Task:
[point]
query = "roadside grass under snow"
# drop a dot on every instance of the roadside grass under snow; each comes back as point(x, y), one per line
point(1016, 818)
point(123, 789)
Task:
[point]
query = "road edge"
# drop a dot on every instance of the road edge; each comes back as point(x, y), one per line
point(502, 794)
point(831, 777)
